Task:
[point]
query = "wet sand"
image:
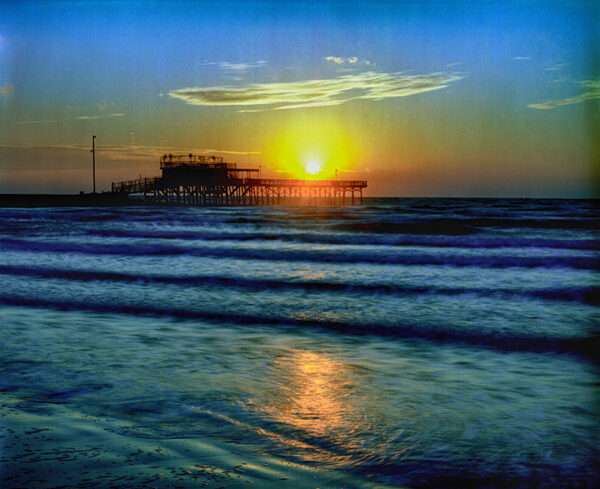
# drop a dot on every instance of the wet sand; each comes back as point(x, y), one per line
point(57, 448)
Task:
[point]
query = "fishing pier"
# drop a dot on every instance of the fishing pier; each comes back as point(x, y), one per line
point(189, 179)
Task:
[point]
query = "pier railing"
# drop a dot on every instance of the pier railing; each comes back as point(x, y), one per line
point(177, 160)
point(142, 185)
point(304, 183)
point(138, 186)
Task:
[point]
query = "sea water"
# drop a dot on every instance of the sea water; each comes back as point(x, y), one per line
point(425, 343)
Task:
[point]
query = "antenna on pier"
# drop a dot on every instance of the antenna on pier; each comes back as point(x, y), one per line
point(93, 151)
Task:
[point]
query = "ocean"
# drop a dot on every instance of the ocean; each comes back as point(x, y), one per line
point(418, 343)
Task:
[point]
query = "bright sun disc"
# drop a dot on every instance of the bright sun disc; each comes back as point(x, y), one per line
point(313, 167)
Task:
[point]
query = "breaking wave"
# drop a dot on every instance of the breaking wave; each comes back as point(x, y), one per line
point(387, 256)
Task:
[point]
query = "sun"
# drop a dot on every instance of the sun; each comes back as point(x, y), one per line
point(313, 167)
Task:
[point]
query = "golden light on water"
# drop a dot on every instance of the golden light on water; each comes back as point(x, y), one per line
point(314, 396)
point(317, 395)
point(316, 403)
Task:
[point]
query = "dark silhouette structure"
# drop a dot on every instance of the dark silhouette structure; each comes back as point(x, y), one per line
point(93, 151)
point(189, 179)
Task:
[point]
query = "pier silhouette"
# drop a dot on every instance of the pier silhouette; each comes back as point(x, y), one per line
point(190, 179)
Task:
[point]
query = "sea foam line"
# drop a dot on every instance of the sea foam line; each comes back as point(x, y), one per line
point(307, 255)
point(585, 295)
point(585, 348)
point(352, 239)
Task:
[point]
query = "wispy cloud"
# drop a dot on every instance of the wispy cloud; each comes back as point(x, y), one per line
point(316, 93)
point(324, 103)
point(238, 68)
point(556, 67)
point(92, 117)
point(130, 152)
point(7, 89)
point(520, 58)
point(225, 152)
point(23, 123)
point(81, 118)
point(352, 61)
point(341, 61)
point(592, 93)
point(241, 67)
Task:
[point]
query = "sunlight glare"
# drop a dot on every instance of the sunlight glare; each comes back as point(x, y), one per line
point(313, 167)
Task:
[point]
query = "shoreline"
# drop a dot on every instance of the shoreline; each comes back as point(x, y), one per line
point(104, 199)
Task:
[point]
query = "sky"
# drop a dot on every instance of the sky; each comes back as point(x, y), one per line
point(419, 98)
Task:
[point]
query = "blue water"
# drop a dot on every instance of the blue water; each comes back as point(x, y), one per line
point(426, 343)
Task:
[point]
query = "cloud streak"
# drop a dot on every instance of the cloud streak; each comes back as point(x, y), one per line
point(127, 152)
point(235, 68)
point(341, 61)
point(557, 67)
point(353, 61)
point(317, 93)
point(591, 94)
point(23, 123)
point(241, 67)
point(93, 117)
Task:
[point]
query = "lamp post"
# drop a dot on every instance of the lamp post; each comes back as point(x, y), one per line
point(93, 151)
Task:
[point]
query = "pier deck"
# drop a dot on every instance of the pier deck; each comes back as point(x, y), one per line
point(248, 192)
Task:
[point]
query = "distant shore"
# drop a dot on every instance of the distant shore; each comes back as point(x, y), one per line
point(66, 200)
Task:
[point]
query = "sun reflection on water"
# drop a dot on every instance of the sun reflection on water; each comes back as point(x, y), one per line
point(317, 394)
point(317, 398)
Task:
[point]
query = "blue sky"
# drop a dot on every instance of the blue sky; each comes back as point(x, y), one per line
point(420, 98)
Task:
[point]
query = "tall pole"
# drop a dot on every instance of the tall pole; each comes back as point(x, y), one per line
point(94, 163)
